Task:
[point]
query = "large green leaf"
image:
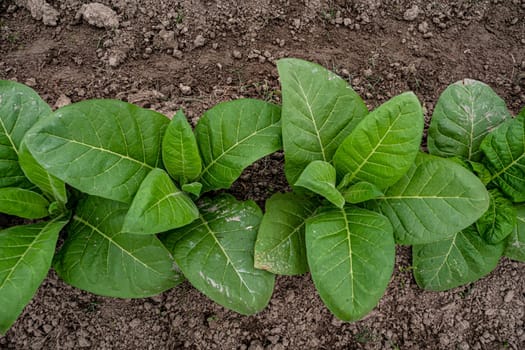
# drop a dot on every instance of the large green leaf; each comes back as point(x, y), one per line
point(504, 150)
point(280, 246)
point(499, 220)
point(215, 253)
point(319, 110)
point(98, 257)
point(320, 177)
point(40, 177)
point(24, 203)
point(465, 112)
point(454, 261)
point(361, 191)
point(25, 257)
point(515, 243)
point(435, 199)
point(101, 147)
point(20, 108)
point(384, 145)
point(351, 253)
point(159, 206)
point(233, 135)
point(180, 152)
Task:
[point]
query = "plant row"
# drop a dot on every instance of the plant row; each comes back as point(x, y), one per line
point(135, 194)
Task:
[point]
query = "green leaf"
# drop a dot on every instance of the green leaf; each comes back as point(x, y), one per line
point(215, 253)
point(159, 206)
point(24, 203)
point(98, 257)
point(351, 253)
point(435, 199)
point(504, 151)
point(40, 177)
point(515, 243)
point(384, 145)
point(499, 220)
point(319, 110)
point(25, 258)
point(457, 260)
point(319, 177)
point(180, 152)
point(280, 246)
point(465, 112)
point(194, 188)
point(20, 108)
point(361, 192)
point(101, 147)
point(481, 172)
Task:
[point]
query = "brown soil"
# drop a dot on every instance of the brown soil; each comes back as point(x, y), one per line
point(152, 59)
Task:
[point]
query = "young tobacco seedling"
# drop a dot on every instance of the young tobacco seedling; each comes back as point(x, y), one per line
point(472, 124)
point(144, 175)
point(373, 188)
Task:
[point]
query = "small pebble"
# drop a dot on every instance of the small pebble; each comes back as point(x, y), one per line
point(509, 296)
point(186, 90)
point(411, 14)
point(199, 41)
point(237, 54)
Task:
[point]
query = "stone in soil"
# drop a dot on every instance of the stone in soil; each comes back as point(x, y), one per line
point(98, 15)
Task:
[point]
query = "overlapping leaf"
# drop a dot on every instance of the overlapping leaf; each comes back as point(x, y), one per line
point(180, 152)
point(384, 145)
point(320, 177)
point(319, 110)
point(23, 203)
point(465, 112)
point(233, 135)
point(504, 150)
point(499, 220)
point(460, 259)
point(159, 206)
point(20, 108)
point(351, 257)
point(515, 243)
point(101, 147)
point(215, 253)
point(25, 257)
point(280, 246)
point(98, 257)
point(361, 191)
point(435, 199)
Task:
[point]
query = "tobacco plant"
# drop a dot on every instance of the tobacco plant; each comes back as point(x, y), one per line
point(360, 186)
point(131, 173)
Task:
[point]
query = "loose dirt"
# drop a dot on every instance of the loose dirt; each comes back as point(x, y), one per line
point(192, 54)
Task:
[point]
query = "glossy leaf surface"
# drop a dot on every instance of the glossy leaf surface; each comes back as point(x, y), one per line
point(101, 147)
point(319, 110)
point(233, 135)
point(280, 246)
point(320, 177)
point(99, 258)
point(351, 257)
point(499, 220)
point(464, 114)
point(361, 192)
point(23, 203)
point(215, 253)
point(515, 243)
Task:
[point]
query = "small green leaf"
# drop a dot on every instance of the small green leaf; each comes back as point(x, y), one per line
point(454, 261)
point(215, 253)
point(233, 135)
point(25, 258)
point(465, 112)
point(361, 192)
point(159, 206)
point(194, 188)
point(99, 258)
point(101, 147)
point(280, 246)
point(20, 109)
point(319, 110)
point(319, 177)
point(24, 203)
point(40, 177)
point(515, 243)
point(351, 255)
point(504, 151)
point(435, 199)
point(499, 220)
point(481, 172)
point(384, 145)
point(180, 152)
